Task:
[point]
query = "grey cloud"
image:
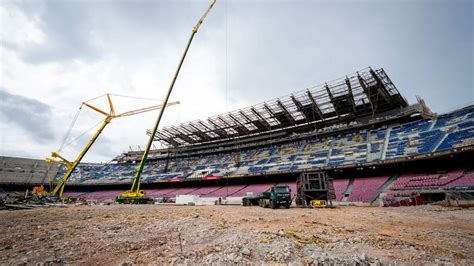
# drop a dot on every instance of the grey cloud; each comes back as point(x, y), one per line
point(425, 46)
point(30, 115)
point(86, 31)
point(103, 147)
point(68, 29)
point(9, 45)
point(275, 49)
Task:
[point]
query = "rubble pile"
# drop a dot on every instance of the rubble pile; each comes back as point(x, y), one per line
point(14, 200)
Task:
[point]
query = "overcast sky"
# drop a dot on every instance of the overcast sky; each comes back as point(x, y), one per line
point(56, 54)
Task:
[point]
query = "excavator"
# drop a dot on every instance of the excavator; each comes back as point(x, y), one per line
point(135, 195)
point(57, 193)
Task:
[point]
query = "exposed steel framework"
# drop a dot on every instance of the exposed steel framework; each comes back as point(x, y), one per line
point(365, 93)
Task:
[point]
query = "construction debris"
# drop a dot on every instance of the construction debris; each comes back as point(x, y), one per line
point(25, 200)
point(164, 234)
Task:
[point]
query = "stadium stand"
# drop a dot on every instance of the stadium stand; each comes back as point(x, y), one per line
point(340, 186)
point(354, 122)
point(25, 171)
point(453, 130)
point(426, 181)
point(467, 179)
point(366, 189)
point(352, 149)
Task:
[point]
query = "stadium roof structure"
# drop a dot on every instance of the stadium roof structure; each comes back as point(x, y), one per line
point(365, 93)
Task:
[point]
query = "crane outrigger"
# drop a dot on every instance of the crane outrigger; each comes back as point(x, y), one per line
point(135, 195)
point(58, 190)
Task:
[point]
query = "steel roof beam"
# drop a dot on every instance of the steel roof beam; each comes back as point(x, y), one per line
point(204, 125)
point(269, 110)
point(218, 129)
point(173, 134)
point(300, 108)
point(380, 88)
point(159, 136)
point(172, 142)
point(224, 121)
point(286, 113)
point(245, 116)
point(262, 120)
point(183, 128)
point(331, 97)
point(184, 136)
point(199, 132)
point(367, 92)
point(315, 105)
point(349, 87)
point(308, 112)
point(244, 128)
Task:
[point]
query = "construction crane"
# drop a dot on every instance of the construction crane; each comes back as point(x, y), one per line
point(135, 195)
point(58, 190)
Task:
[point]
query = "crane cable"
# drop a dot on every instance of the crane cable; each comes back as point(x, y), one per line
point(76, 116)
point(68, 133)
point(134, 97)
point(95, 98)
point(85, 132)
point(124, 96)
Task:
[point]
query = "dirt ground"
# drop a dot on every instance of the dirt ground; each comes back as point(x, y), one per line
point(120, 234)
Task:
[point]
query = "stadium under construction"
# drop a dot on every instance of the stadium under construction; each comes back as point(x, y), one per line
point(353, 141)
point(345, 172)
point(377, 148)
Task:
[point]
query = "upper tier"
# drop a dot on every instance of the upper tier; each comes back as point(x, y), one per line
point(366, 93)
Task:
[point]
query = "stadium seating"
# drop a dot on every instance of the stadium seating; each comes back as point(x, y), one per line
point(366, 189)
point(467, 179)
point(256, 189)
point(226, 191)
point(432, 181)
point(340, 186)
point(362, 189)
point(25, 171)
point(446, 132)
point(464, 137)
point(376, 142)
point(158, 193)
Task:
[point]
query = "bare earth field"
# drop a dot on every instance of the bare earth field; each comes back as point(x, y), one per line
point(120, 234)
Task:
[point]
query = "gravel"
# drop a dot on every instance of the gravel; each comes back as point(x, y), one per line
point(119, 234)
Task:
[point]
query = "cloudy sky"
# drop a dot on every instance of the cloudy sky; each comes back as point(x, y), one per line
point(56, 54)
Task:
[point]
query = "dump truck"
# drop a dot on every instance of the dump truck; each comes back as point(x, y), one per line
point(276, 197)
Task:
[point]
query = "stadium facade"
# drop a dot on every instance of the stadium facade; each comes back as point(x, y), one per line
point(376, 146)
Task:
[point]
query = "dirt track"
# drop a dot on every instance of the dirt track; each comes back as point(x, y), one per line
point(234, 234)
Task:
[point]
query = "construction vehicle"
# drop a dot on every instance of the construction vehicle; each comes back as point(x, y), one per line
point(276, 197)
point(135, 195)
point(39, 190)
point(57, 192)
point(318, 203)
point(314, 189)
